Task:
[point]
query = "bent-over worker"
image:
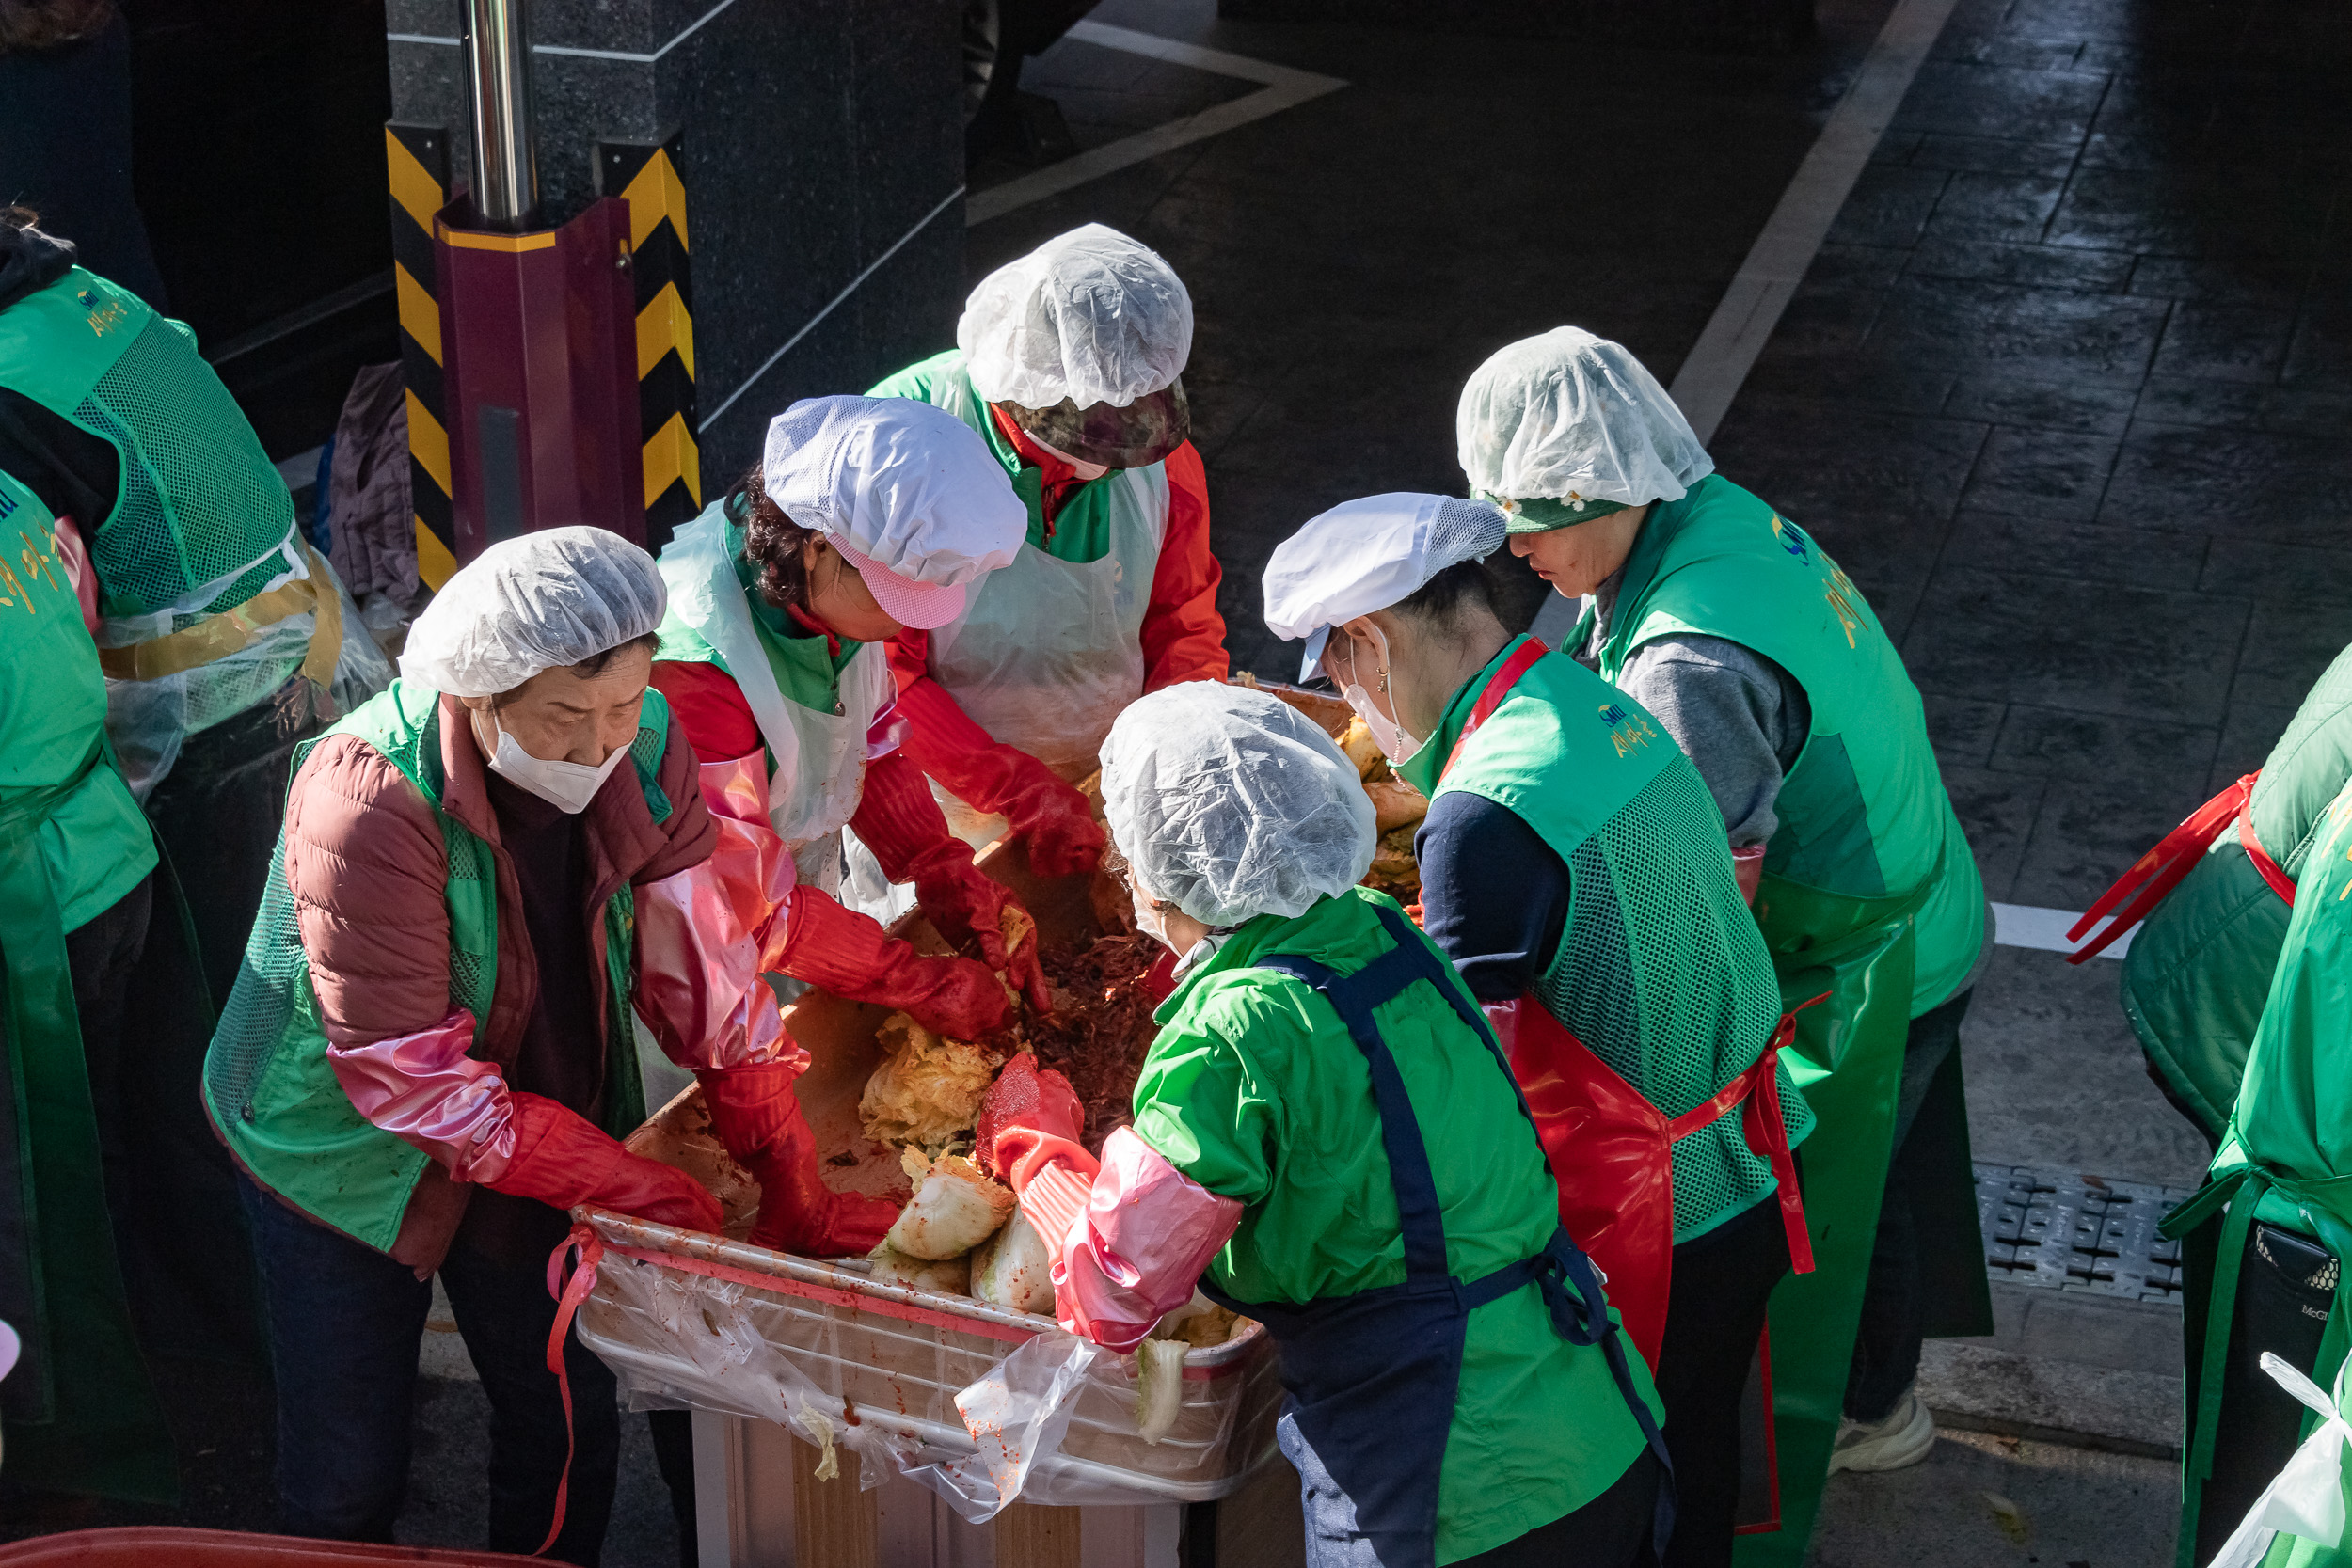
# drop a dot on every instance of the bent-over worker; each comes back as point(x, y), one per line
point(866, 515)
point(1573, 870)
point(1762, 660)
point(1328, 1139)
point(429, 1056)
point(1068, 362)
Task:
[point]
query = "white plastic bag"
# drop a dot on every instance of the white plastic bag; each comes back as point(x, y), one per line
point(2307, 1499)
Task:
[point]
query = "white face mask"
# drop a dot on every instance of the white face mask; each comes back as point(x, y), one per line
point(568, 784)
point(1395, 742)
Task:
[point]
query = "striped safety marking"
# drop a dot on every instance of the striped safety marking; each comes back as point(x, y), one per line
point(416, 161)
point(645, 174)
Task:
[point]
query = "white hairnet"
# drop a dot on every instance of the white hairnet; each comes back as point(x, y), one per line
point(1091, 316)
point(557, 596)
point(1366, 555)
point(1233, 803)
point(904, 484)
point(1570, 416)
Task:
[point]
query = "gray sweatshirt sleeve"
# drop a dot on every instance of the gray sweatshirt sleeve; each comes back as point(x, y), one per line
point(1739, 718)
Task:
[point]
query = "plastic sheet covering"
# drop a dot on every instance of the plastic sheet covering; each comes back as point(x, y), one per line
point(904, 1378)
point(147, 719)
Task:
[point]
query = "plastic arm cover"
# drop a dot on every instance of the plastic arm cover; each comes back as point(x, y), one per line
point(703, 933)
point(424, 1088)
point(1136, 1248)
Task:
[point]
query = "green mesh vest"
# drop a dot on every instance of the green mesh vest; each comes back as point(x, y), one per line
point(201, 507)
point(2194, 980)
point(1660, 970)
point(1864, 815)
point(271, 1092)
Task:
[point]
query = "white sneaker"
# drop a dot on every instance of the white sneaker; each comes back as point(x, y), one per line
point(1903, 1438)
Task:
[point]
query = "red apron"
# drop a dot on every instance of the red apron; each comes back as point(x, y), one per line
point(2162, 868)
point(1609, 1148)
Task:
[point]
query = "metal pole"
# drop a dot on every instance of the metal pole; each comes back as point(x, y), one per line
point(498, 100)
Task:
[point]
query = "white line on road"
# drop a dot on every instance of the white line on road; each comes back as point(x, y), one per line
point(1284, 88)
point(2029, 925)
point(1766, 282)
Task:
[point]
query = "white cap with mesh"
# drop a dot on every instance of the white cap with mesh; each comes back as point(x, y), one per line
point(559, 595)
point(908, 494)
point(1091, 315)
point(1573, 417)
point(1232, 804)
point(1366, 555)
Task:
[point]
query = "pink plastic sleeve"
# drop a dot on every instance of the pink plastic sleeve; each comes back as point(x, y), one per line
point(426, 1089)
point(1137, 1251)
point(701, 934)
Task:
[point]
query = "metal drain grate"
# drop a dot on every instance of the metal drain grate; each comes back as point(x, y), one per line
point(2075, 1233)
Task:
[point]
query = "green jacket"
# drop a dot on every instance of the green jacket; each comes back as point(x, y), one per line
point(2198, 971)
point(1863, 814)
point(1254, 1090)
point(1660, 970)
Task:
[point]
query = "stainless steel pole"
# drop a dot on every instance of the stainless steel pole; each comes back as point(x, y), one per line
point(498, 100)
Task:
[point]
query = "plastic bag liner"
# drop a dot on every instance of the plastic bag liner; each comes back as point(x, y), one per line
point(946, 1393)
point(2307, 1499)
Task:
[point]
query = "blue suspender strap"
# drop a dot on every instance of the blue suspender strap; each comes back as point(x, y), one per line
point(1354, 996)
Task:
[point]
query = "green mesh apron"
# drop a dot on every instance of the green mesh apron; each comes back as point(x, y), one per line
point(1659, 970)
point(2287, 1157)
point(2198, 968)
point(1870, 894)
point(268, 1087)
point(79, 1412)
point(202, 520)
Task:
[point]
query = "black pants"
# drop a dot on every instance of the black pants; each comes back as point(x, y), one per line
point(344, 1326)
point(1714, 1314)
point(1611, 1532)
point(1886, 1340)
point(2285, 1285)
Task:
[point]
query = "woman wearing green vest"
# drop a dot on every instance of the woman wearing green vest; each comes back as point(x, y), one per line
point(2216, 895)
point(1572, 869)
point(1068, 364)
point(76, 863)
point(1761, 659)
point(429, 1056)
point(2276, 1196)
point(1327, 1139)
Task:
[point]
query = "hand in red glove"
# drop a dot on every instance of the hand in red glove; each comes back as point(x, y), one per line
point(563, 1161)
point(850, 954)
point(758, 1118)
point(899, 820)
point(1056, 822)
point(1028, 1121)
point(965, 904)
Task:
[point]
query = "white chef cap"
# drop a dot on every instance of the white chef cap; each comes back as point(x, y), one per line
point(1366, 555)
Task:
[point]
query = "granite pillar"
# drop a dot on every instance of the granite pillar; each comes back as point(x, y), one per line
point(820, 149)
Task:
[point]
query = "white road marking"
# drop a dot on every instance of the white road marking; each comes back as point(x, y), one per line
point(2030, 925)
point(1283, 87)
point(1766, 282)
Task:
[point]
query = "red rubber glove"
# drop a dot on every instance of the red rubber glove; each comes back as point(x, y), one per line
point(850, 954)
point(564, 1162)
point(900, 821)
point(758, 1118)
point(1031, 1119)
point(1056, 821)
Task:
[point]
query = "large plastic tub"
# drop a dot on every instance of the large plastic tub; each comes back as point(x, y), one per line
point(148, 1547)
point(718, 1324)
